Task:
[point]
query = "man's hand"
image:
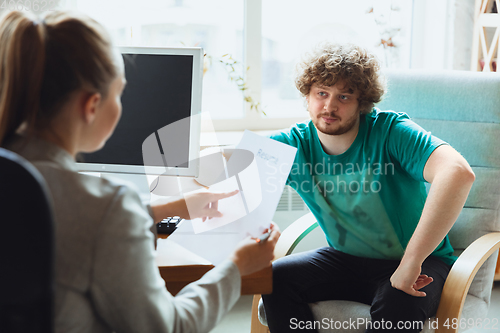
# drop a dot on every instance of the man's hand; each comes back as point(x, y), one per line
point(407, 278)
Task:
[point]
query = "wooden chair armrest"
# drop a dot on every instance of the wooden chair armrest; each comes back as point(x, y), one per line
point(460, 278)
point(293, 234)
point(256, 326)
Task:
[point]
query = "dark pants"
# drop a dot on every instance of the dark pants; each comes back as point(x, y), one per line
point(328, 274)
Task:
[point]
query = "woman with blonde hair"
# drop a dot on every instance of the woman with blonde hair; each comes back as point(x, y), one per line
point(60, 87)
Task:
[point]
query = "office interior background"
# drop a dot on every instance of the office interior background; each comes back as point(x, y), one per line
point(267, 37)
point(255, 44)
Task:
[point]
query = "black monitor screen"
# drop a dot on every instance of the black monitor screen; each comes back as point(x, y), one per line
point(158, 93)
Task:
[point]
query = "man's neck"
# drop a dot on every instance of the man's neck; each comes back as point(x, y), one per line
point(338, 144)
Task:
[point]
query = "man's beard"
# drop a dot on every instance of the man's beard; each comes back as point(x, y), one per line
point(334, 129)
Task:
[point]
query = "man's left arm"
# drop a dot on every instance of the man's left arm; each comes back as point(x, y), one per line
point(451, 179)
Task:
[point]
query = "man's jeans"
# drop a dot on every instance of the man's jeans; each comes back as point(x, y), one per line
point(328, 274)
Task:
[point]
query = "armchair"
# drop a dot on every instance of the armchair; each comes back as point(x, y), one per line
point(26, 248)
point(462, 108)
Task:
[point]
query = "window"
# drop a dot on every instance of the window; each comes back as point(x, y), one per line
point(216, 26)
point(291, 28)
point(265, 36)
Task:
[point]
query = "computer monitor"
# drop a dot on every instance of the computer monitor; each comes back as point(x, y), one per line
point(159, 130)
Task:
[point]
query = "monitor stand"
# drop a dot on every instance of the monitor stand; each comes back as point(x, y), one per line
point(171, 186)
point(211, 165)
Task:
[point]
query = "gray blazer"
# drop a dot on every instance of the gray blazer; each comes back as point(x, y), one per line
point(106, 276)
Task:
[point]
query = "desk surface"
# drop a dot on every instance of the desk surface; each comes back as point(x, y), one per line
point(177, 276)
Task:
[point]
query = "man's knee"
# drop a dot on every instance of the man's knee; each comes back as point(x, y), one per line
point(293, 269)
point(286, 276)
point(282, 272)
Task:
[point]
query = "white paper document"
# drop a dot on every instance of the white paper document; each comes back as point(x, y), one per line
point(258, 168)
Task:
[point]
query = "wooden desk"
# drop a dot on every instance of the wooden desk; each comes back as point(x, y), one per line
point(176, 277)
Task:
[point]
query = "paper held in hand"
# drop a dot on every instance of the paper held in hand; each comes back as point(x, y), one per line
point(258, 168)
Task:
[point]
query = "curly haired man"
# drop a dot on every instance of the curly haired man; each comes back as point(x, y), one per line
point(361, 171)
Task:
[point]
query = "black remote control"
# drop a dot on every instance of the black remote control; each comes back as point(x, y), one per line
point(168, 225)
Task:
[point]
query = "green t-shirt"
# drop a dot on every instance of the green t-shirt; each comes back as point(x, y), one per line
point(368, 200)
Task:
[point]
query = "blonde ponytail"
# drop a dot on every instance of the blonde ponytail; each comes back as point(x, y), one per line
point(22, 58)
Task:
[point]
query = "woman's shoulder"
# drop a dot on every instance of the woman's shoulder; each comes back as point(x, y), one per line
point(81, 201)
point(60, 171)
point(96, 200)
point(78, 186)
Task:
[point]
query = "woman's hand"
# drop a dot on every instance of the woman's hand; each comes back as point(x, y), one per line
point(192, 206)
point(251, 256)
point(203, 204)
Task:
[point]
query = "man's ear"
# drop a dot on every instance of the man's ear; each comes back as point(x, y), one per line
point(90, 104)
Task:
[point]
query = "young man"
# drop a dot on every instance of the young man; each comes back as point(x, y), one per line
point(361, 171)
